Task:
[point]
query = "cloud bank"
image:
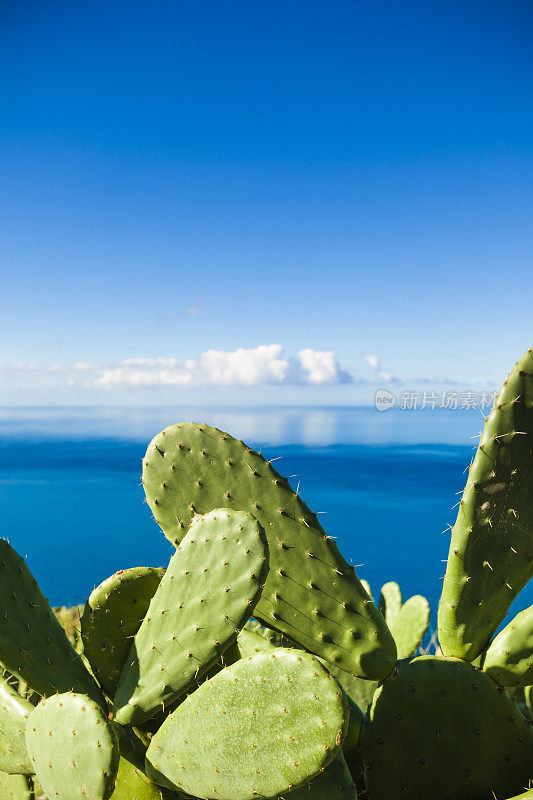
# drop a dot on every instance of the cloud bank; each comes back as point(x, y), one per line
point(266, 365)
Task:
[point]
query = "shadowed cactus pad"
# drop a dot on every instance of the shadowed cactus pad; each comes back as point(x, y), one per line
point(491, 550)
point(334, 783)
point(312, 594)
point(112, 616)
point(132, 784)
point(14, 712)
point(440, 728)
point(31, 636)
point(260, 727)
point(209, 591)
point(73, 748)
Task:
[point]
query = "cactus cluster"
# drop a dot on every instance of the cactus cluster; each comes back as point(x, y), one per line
point(256, 665)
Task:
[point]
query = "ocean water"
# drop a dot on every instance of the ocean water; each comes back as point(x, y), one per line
point(383, 483)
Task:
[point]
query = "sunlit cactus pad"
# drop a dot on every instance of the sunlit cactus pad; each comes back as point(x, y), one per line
point(261, 727)
point(491, 550)
point(14, 712)
point(33, 645)
point(311, 593)
point(73, 748)
point(112, 616)
point(440, 728)
point(209, 590)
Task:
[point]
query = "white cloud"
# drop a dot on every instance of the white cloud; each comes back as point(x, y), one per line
point(372, 360)
point(266, 365)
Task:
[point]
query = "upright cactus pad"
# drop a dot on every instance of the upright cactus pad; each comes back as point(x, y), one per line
point(73, 747)
point(410, 625)
point(209, 590)
point(14, 712)
point(334, 783)
point(311, 593)
point(111, 618)
point(390, 601)
point(509, 659)
point(440, 728)
point(491, 550)
point(33, 645)
point(259, 728)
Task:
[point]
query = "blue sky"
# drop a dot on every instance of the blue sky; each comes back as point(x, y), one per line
point(329, 177)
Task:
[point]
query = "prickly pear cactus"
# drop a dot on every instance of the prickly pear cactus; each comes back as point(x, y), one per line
point(312, 594)
point(208, 592)
point(15, 787)
point(73, 748)
point(509, 658)
point(111, 618)
point(440, 728)
point(31, 636)
point(14, 712)
point(491, 550)
point(261, 727)
point(408, 622)
point(333, 783)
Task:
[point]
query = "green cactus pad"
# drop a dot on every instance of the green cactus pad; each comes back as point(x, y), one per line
point(33, 645)
point(524, 796)
point(390, 601)
point(261, 727)
point(14, 711)
point(132, 784)
point(312, 594)
point(410, 625)
point(334, 783)
point(440, 728)
point(491, 550)
point(14, 787)
point(209, 590)
point(509, 659)
point(111, 618)
point(73, 748)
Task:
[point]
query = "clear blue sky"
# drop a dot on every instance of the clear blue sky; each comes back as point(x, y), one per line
point(178, 177)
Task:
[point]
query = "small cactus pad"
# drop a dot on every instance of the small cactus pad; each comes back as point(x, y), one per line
point(260, 727)
point(111, 618)
point(73, 747)
point(390, 601)
point(334, 783)
point(491, 550)
point(440, 728)
point(33, 645)
point(509, 659)
point(132, 784)
point(410, 625)
point(209, 590)
point(312, 594)
point(14, 711)
point(15, 787)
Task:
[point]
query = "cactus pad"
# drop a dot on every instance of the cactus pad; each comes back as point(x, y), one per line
point(334, 783)
point(390, 601)
point(491, 550)
point(509, 659)
point(132, 784)
point(31, 637)
point(73, 747)
point(14, 711)
point(440, 728)
point(410, 625)
point(209, 590)
point(260, 727)
point(111, 618)
point(312, 594)
point(14, 787)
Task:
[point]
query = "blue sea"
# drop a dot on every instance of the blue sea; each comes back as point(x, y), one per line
point(384, 484)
